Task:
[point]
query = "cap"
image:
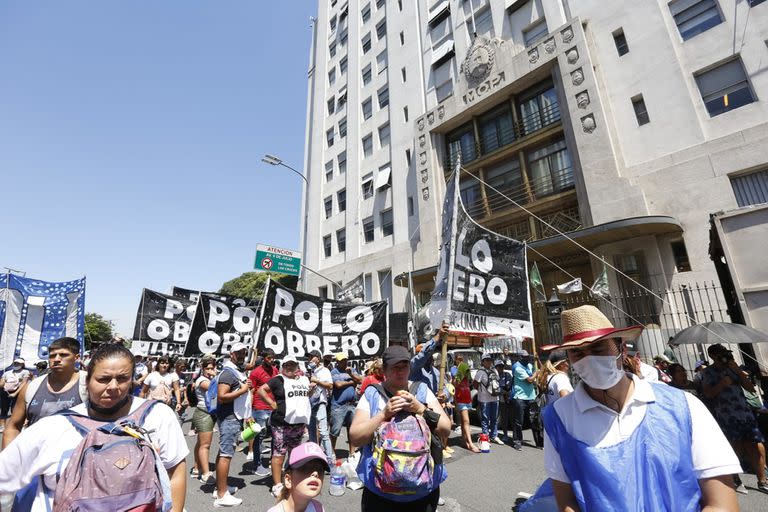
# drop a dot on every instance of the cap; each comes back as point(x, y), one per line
point(662, 357)
point(237, 347)
point(523, 353)
point(289, 359)
point(487, 356)
point(341, 356)
point(498, 362)
point(18, 360)
point(718, 348)
point(304, 453)
point(395, 354)
point(631, 349)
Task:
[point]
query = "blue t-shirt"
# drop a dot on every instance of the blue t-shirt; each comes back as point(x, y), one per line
point(343, 395)
point(523, 389)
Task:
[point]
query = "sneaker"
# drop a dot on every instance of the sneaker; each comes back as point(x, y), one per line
point(207, 478)
point(457, 430)
point(262, 471)
point(497, 440)
point(230, 490)
point(440, 502)
point(517, 446)
point(449, 449)
point(249, 457)
point(762, 486)
point(742, 490)
point(194, 473)
point(447, 454)
point(276, 490)
point(192, 433)
point(227, 501)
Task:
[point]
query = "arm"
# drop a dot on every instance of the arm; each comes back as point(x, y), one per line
point(15, 423)
point(226, 395)
point(322, 384)
point(444, 424)
point(264, 392)
point(743, 377)
point(144, 391)
point(419, 360)
point(356, 379)
point(339, 384)
point(717, 494)
point(177, 394)
point(178, 477)
point(566, 500)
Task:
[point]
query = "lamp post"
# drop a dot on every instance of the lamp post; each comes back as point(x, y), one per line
point(273, 160)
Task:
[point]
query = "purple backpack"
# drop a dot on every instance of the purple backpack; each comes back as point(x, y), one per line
point(113, 468)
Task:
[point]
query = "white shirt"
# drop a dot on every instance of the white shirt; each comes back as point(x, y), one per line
point(242, 404)
point(363, 404)
point(322, 374)
point(557, 383)
point(597, 425)
point(648, 372)
point(45, 448)
point(154, 379)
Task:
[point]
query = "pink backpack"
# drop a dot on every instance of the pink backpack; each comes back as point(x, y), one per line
point(111, 469)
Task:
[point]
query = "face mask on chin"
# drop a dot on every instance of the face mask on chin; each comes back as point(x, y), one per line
point(598, 372)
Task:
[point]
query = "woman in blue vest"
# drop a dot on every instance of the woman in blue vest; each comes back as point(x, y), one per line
point(621, 443)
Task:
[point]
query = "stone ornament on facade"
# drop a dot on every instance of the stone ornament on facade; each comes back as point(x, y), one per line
point(424, 175)
point(533, 55)
point(577, 77)
point(431, 118)
point(549, 45)
point(572, 55)
point(425, 193)
point(582, 99)
point(440, 112)
point(423, 158)
point(567, 34)
point(588, 123)
point(422, 141)
point(420, 123)
point(478, 63)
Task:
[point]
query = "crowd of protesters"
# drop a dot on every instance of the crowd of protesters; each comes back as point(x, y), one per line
point(302, 408)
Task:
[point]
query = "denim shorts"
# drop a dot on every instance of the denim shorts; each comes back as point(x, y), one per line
point(464, 407)
point(229, 429)
point(341, 416)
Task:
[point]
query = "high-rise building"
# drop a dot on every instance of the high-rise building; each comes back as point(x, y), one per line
point(623, 124)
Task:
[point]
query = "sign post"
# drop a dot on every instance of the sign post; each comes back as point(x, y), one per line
point(275, 259)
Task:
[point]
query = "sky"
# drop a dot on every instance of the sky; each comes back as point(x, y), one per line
point(131, 138)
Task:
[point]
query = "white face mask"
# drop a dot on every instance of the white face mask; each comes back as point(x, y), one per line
point(598, 372)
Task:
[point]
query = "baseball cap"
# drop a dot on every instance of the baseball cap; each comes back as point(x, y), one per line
point(237, 347)
point(304, 453)
point(523, 353)
point(341, 356)
point(395, 354)
point(718, 349)
point(498, 362)
point(18, 360)
point(631, 349)
point(289, 359)
point(487, 356)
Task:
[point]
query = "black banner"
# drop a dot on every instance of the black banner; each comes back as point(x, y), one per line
point(294, 323)
point(162, 324)
point(185, 293)
point(220, 322)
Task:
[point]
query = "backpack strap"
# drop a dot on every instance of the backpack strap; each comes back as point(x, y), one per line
point(32, 387)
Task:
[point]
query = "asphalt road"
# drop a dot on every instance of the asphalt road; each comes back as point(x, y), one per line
point(476, 482)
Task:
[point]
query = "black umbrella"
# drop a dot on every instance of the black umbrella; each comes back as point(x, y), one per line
point(718, 332)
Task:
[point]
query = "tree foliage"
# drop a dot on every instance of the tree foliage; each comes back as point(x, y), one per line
point(97, 329)
point(250, 285)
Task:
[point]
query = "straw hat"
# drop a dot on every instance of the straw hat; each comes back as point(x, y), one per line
point(587, 324)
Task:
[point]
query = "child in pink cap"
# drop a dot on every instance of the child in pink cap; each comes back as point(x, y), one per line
point(302, 480)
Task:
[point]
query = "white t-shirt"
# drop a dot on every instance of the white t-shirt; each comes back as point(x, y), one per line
point(557, 383)
point(362, 404)
point(154, 379)
point(45, 448)
point(597, 425)
point(483, 377)
point(648, 372)
point(320, 394)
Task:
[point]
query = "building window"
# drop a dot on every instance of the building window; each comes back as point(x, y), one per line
point(440, 29)
point(329, 137)
point(333, 23)
point(751, 189)
point(724, 87)
point(367, 74)
point(367, 145)
point(753, 3)
point(332, 76)
point(368, 230)
point(342, 99)
point(402, 73)
point(408, 157)
point(383, 95)
point(384, 135)
point(539, 110)
point(535, 32)
point(641, 113)
point(405, 114)
point(367, 109)
point(505, 179)
point(332, 49)
point(328, 170)
point(343, 65)
point(483, 23)
point(680, 254)
point(342, 162)
point(410, 206)
point(366, 43)
point(341, 240)
point(472, 197)
point(385, 286)
point(381, 61)
point(328, 206)
point(383, 177)
point(550, 169)
point(387, 226)
point(366, 13)
point(331, 105)
point(402, 38)
point(496, 129)
point(341, 199)
point(461, 141)
point(327, 246)
point(379, 4)
point(381, 29)
point(693, 17)
point(442, 77)
point(400, 5)
point(322, 291)
point(621, 42)
point(368, 186)
point(343, 128)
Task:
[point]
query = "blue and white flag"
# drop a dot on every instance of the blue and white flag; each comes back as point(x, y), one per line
point(34, 313)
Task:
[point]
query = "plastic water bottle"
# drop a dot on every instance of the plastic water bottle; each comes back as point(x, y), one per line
point(485, 444)
point(338, 480)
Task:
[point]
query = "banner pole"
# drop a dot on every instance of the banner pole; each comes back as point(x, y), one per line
point(443, 358)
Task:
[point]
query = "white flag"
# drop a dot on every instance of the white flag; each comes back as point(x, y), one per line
point(570, 287)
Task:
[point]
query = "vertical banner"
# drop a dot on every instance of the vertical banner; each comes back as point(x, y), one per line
point(34, 313)
point(220, 322)
point(162, 324)
point(295, 323)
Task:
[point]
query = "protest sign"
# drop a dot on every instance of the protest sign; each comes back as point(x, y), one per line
point(163, 324)
point(220, 322)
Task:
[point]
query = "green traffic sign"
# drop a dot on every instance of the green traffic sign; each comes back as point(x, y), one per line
point(275, 259)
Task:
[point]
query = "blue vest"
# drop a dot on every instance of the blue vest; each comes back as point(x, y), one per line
point(652, 470)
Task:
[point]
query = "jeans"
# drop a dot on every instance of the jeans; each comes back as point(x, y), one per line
point(505, 412)
point(519, 409)
point(489, 418)
point(341, 416)
point(262, 417)
point(318, 424)
point(229, 429)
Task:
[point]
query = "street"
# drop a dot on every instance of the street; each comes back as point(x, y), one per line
point(476, 483)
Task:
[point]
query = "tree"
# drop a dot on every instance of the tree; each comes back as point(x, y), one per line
point(250, 285)
point(96, 329)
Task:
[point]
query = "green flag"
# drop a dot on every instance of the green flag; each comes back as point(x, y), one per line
point(538, 286)
point(600, 287)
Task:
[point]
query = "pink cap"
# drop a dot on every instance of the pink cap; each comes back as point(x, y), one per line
point(304, 453)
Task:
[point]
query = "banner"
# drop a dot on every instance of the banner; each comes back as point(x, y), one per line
point(34, 313)
point(295, 323)
point(570, 287)
point(353, 291)
point(600, 288)
point(482, 280)
point(537, 284)
point(185, 293)
point(220, 322)
point(163, 324)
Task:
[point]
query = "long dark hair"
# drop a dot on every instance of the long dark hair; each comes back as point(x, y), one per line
point(110, 351)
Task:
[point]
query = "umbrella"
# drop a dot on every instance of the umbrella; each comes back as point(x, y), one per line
point(718, 332)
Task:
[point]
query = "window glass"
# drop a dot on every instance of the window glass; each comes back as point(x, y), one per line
point(725, 87)
point(550, 169)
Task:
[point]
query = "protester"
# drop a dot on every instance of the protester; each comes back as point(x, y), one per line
point(321, 377)
point(644, 370)
point(679, 378)
point(343, 399)
point(661, 363)
point(162, 384)
point(669, 352)
point(179, 370)
point(41, 368)
point(203, 421)
point(619, 442)
point(139, 374)
point(488, 390)
point(552, 379)
point(506, 408)
point(233, 406)
point(302, 480)
point(261, 411)
point(290, 414)
point(422, 364)
point(11, 383)
point(412, 489)
point(464, 404)
point(723, 383)
point(523, 395)
point(375, 375)
point(41, 452)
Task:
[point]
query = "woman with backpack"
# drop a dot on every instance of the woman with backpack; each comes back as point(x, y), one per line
point(146, 473)
point(405, 413)
point(162, 385)
point(203, 421)
point(552, 378)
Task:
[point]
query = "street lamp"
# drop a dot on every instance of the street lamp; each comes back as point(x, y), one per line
point(273, 160)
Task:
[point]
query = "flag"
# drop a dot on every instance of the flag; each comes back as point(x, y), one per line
point(600, 287)
point(570, 287)
point(538, 286)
